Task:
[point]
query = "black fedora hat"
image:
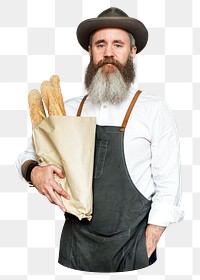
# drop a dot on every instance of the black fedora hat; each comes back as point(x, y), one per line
point(113, 18)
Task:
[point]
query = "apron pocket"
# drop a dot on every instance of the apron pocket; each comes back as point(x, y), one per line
point(99, 157)
point(136, 254)
point(141, 256)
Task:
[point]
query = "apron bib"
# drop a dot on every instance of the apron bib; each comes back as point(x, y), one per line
point(114, 240)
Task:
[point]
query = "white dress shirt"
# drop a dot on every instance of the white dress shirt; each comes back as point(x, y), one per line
point(151, 148)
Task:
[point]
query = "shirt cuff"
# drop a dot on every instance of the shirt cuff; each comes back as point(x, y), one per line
point(19, 162)
point(164, 214)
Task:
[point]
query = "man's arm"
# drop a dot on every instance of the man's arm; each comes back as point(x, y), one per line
point(165, 208)
point(165, 166)
point(152, 235)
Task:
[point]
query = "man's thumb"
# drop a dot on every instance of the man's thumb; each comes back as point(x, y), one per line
point(58, 171)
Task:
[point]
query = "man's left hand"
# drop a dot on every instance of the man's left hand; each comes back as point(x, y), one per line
point(152, 235)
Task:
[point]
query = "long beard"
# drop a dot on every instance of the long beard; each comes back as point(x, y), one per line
point(109, 83)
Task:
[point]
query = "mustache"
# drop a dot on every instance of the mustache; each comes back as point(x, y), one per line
point(108, 60)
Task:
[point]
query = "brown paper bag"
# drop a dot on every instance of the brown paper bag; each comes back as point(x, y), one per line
point(68, 142)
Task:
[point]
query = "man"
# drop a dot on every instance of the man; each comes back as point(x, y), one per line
point(136, 188)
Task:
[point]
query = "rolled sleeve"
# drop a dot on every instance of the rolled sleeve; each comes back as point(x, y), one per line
point(164, 214)
point(165, 150)
point(28, 154)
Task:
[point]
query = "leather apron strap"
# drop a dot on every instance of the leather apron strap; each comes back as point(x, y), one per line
point(81, 106)
point(130, 108)
point(126, 118)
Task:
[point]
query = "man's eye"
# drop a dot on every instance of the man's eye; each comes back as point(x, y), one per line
point(100, 46)
point(118, 46)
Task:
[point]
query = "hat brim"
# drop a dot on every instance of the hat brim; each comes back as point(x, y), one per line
point(132, 25)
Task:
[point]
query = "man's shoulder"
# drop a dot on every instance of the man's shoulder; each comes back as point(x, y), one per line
point(153, 103)
point(147, 97)
point(150, 97)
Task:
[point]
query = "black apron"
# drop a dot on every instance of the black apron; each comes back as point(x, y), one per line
point(114, 240)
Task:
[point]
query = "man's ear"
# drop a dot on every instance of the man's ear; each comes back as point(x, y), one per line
point(89, 50)
point(133, 52)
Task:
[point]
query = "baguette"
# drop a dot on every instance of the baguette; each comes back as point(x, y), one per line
point(55, 81)
point(44, 94)
point(37, 112)
point(50, 100)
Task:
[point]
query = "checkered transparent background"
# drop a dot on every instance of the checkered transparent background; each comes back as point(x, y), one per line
point(38, 39)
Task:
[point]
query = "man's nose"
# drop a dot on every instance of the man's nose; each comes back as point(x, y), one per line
point(108, 51)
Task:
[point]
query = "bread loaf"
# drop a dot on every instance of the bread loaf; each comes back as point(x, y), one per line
point(37, 112)
point(44, 94)
point(50, 99)
point(55, 81)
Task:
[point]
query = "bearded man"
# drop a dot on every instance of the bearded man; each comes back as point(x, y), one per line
point(136, 180)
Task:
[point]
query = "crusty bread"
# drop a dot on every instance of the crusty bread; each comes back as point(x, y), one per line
point(44, 94)
point(55, 81)
point(52, 97)
point(50, 100)
point(36, 107)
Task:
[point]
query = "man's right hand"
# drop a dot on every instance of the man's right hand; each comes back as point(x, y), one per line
point(42, 178)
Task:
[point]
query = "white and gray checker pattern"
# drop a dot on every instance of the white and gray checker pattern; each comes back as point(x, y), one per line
point(38, 39)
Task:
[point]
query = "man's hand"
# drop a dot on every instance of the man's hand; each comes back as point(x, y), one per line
point(152, 234)
point(42, 178)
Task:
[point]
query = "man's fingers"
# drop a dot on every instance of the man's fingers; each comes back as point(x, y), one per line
point(44, 181)
point(56, 200)
point(58, 188)
point(60, 191)
point(49, 198)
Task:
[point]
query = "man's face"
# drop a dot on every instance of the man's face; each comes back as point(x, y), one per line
point(110, 71)
point(111, 43)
